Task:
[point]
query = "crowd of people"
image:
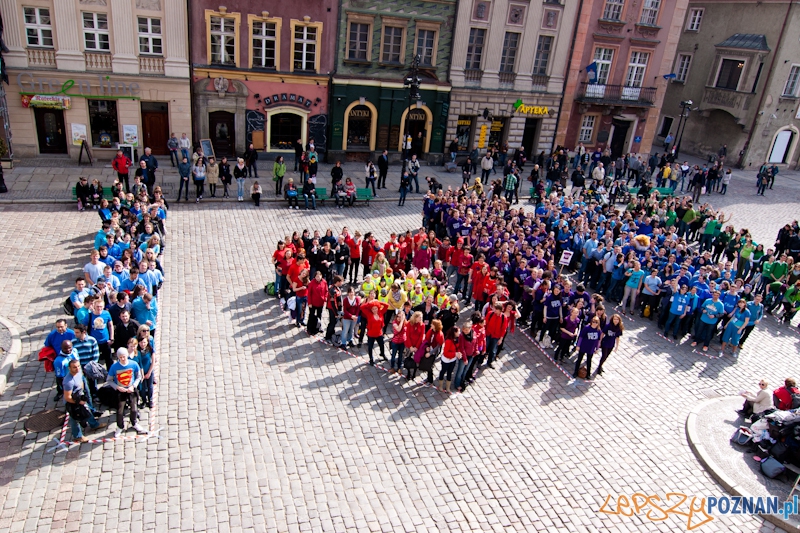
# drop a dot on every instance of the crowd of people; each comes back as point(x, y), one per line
point(106, 356)
point(673, 260)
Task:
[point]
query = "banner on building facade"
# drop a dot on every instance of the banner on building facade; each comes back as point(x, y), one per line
point(47, 101)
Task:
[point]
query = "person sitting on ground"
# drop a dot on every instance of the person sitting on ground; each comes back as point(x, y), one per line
point(783, 396)
point(756, 405)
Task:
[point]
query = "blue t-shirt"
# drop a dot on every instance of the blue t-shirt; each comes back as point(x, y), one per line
point(712, 311)
point(679, 303)
point(635, 277)
point(127, 375)
point(98, 326)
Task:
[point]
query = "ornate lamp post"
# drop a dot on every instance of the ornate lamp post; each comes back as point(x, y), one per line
point(686, 108)
point(412, 82)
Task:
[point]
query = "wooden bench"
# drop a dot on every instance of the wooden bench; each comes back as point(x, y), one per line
point(364, 194)
point(322, 195)
point(532, 192)
point(106, 193)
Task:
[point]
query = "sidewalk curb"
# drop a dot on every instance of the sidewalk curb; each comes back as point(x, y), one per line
point(12, 356)
point(714, 470)
point(330, 202)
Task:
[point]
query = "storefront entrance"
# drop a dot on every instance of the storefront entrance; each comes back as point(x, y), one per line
point(51, 131)
point(155, 126)
point(416, 125)
point(359, 126)
point(221, 128)
point(529, 135)
point(285, 129)
point(619, 137)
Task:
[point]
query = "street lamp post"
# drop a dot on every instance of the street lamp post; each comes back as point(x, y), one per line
point(686, 108)
point(412, 82)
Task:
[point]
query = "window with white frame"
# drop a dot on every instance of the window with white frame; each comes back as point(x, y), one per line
point(636, 69)
point(38, 28)
point(587, 128)
point(650, 12)
point(392, 44)
point(425, 44)
point(542, 57)
point(95, 32)
point(695, 18)
point(509, 57)
point(305, 48)
point(150, 36)
point(682, 70)
point(358, 41)
point(730, 72)
point(603, 57)
point(613, 9)
point(477, 36)
point(790, 89)
point(264, 44)
point(223, 40)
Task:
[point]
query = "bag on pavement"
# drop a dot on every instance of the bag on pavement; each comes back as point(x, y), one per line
point(772, 468)
point(742, 436)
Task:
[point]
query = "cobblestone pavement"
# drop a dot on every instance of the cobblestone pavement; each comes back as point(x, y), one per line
point(264, 429)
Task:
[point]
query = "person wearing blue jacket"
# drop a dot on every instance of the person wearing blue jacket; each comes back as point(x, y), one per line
point(679, 307)
point(145, 311)
point(711, 311)
point(756, 309)
point(59, 335)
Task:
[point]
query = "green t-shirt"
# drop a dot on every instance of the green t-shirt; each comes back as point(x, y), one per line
point(712, 227)
point(690, 215)
point(672, 216)
point(779, 269)
point(746, 250)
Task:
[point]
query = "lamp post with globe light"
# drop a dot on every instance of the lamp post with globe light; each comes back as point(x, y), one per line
point(686, 108)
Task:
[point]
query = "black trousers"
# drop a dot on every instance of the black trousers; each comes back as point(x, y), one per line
point(123, 178)
point(382, 179)
point(331, 329)
point(122, 399)
point(105, 354)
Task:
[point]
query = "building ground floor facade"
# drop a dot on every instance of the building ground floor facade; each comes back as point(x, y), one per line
point(236, 108)
point(54, 112)
point(480, 118)
point(368, 117)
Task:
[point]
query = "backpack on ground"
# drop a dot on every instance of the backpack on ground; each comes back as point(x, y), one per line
point(269, 288)
point(795, 397)
point(772, 468)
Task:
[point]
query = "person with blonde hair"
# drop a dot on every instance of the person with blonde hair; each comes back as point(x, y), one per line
point(240, 173)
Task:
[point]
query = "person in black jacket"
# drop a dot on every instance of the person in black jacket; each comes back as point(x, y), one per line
point(383, 169)
point(225, 175)
point(124, 330)
point(82, 192)
point(337, 174)
point(298, 152)
point(250, 159)
point(310, 193)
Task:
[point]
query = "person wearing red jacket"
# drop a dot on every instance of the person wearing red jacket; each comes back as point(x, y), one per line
point(317, 298)
point(392, 251)
point(354, 244)
point(351, 305)
point(122, 164)
point(373, 311)
point(415, 334)
point(369, 249)
point(434, 340)
point(462, 262)
point(334, 306)
point(298, 281)
point(497, 322)
point(450, 354)
point(479, 277)
point(782, 396)
point(454, 257)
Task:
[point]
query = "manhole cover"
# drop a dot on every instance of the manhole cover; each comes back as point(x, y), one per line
point(45, 421)
point(710, 393)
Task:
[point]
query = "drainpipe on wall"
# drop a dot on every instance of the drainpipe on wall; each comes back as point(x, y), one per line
point(766, 82)
point(330, 80)
point(566, 75)
point(192, 109)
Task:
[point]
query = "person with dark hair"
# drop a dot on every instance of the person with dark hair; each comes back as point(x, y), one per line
point(450, 354)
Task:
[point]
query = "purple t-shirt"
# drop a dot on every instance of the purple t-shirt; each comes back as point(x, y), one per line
point(611, 334)
point(589, 339)
point(570, 325)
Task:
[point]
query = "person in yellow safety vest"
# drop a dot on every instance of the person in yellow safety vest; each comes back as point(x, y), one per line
point(383, 295)
point(369, 285)
point(442, 301)
point(430, 288)
point(417, 297)
point(424, 276)
point(389, 277)
point(409, 282)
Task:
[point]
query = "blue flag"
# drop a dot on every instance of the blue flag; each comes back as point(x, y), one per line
point(591, 72)
point(670, 76)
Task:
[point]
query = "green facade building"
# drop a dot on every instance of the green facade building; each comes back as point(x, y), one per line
point(370, 108)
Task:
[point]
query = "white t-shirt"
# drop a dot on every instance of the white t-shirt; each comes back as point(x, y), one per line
point(94, 271)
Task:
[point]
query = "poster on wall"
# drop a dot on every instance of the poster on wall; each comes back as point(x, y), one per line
point(78, 134)
point(130, 134)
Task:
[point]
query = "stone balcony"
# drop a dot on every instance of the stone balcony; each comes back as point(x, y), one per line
point(151, 65)
point(98, 62)
point(41, 58)
point(734, 102)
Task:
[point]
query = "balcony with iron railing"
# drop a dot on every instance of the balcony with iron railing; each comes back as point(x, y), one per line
point(41, 58)
point(616, 95)
point(98, 61)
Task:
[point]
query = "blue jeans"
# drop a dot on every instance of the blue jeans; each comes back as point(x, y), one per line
point(240, 187)
point(491, 349)
point(461, 371)
point(413, 178)
point(348, 330)
point(313, 200)
point(704, 332)
point(397, 355)
point(673, 319)
point(185, 153)
point(461, 278)
point(300, 309)
point(279, 282)
point(173, 157)
point(403, 193)
point(453, 157)
point(77, 430)
point(184, 188)
point(706, 241)
point(146, 388)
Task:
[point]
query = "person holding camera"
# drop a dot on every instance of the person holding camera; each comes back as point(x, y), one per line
point(78, 403)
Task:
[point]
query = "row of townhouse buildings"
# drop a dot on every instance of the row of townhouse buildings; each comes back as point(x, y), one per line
point(112, 72)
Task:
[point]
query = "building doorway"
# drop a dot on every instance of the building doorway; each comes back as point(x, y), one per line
point(51, 131)
point(222, 129)
point(416, 128)
point(529, 135)
point(781, 147)
point(155, 126)
point(359, 128)
point(619, 137)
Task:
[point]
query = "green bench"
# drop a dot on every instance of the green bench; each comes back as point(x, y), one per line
point(663, 192)
point(106, 193)
point(364, 194)
point(532, 193)
point(322, 194)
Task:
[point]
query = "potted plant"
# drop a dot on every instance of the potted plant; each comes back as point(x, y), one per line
point(5, 157)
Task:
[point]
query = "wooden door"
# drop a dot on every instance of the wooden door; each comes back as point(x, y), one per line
point(155, 131)
point(51, 131)
point(222, 130)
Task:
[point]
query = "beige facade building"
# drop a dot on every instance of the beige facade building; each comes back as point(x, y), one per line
point(509, 62)
point(105, 71)
point(738, 62)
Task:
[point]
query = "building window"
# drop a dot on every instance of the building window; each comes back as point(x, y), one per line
point(265, 44)
point(475, 48)
point(650, 12)
point(284, 130)
point(790, 89)
point(150, 36)
point(542, 55)
point(359, 128)
point(38, 29)
point(603, 57)
point(613, 9)
point(425, 46)
point(464, 133)
point(509, 57)
point(392, 44)
point(636, 69)
point(695, 18)
point(729, 74)
point(95, 32)
point(682, 72)
point(305, 48)
point(103, 123)
point(587, 129)
point(223, 40)
point(358, 42)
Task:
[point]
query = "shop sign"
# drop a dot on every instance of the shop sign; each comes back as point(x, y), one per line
point(464, 122)
point(537, 110)
point(47, 101)
point(360, 113)
point(482, 137)
point(286, 98)
point(338, 129)
point(89, 88)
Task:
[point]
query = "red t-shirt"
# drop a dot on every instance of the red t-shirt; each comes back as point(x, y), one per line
point(374, 324)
